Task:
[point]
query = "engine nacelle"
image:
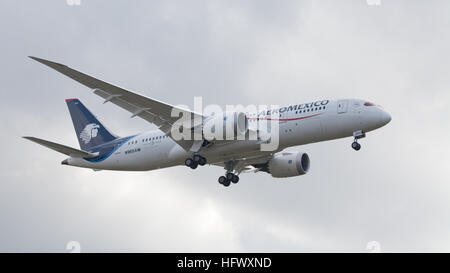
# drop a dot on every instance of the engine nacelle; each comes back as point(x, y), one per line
point(225, 126)
point(289, 164)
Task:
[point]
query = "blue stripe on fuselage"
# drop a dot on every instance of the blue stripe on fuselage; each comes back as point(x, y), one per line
point(96, 160)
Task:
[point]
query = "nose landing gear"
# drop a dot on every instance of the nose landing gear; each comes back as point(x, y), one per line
point(357, 135)
point(356, 146)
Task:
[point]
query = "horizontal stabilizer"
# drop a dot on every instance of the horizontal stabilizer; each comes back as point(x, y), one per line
point(61, 148)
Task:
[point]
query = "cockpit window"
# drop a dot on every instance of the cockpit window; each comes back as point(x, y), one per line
point(369, 104)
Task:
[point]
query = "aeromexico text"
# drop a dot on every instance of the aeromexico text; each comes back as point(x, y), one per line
point(232, 124)
point(294, 108)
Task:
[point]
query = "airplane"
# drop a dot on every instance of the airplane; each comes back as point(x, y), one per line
point(299, 124)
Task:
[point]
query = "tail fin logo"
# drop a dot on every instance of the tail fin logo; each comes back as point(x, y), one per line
point(89, 132)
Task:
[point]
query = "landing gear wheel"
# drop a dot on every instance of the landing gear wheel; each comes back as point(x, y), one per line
point(191, 163)
point(188, 162)
point(202, 161)
point(197, 158)
point(229, 176)
point(222, 179)
point(356, 146)
point(235, 179)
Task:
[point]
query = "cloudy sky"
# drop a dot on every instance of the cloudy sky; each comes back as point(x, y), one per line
point(395, 191)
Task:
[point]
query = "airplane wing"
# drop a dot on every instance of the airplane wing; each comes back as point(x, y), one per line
point(62, 148)
point(153, 111)
point(247, 163)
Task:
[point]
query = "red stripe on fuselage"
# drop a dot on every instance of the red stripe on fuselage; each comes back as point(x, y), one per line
point(287, 119)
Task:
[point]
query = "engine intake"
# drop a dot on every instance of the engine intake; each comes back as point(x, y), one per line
point(225, 126)
point(289, 164)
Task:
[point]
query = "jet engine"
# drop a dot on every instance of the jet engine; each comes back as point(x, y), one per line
point(288, 164)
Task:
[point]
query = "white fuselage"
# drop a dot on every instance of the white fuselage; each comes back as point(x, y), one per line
point(153, 149)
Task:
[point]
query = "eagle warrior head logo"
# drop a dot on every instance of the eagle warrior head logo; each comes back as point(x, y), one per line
point(89, 132)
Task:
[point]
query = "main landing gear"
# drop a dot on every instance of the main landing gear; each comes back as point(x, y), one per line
point(228, 179)
point(233, 169)
point(195, 161)
point(357, 135)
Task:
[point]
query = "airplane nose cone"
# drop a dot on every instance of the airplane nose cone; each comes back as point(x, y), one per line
point(385, 118)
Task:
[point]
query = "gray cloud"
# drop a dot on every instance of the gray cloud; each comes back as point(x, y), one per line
point(394, 190)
